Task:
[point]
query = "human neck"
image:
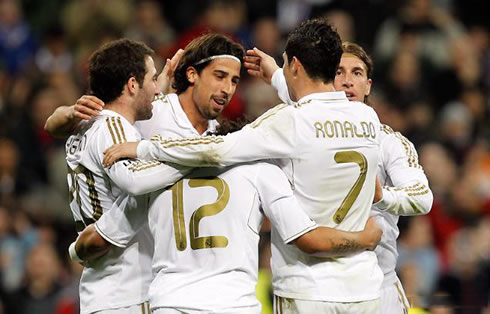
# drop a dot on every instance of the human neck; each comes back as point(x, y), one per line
point(308, 87)
point(120, 105)
point(199, 122)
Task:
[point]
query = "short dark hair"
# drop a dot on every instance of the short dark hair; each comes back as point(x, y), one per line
point(317, 46)
point(113, 64)
point(356, 50)
point(202, 47)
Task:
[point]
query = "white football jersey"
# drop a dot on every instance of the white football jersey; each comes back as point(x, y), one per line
point(206, 230)
point(406, 193)
point(169, 120)
point(329, 149)
point(121, 278)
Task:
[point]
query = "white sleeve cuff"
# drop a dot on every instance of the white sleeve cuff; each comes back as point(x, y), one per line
point(107, 238)
point(386, 201)
point(276, 78)
point(299, 234)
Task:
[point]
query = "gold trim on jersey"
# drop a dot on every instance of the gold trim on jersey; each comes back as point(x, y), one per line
point(269, 113)
point(387, 129)
point(116, 129)
point(140, 165)
point(186, 141)
point(411, 153)
point(160, 96)
point(93, 195)
point(401, 296)
point(412, 190)
point(122, 129)
point(110, 130)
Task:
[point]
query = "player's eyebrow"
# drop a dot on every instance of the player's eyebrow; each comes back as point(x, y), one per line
point(358, 69)
point(225, 73)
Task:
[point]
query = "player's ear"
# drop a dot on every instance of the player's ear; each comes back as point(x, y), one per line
point(191, 74)
point(295, 65)
point(132, 85)
point(368, 89)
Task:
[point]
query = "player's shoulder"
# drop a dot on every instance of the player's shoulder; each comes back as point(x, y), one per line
point(115, 127)
point(165, 102)
point(255, 168)
point(389, 135)
point(364, 108)
point(276, 112)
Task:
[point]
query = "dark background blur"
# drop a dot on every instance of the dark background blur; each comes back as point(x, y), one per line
point(431, 82)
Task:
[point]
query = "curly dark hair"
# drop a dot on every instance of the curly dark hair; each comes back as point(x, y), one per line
point(227, 126)
point(317, 46)
point(113, 64)
point(202, 47)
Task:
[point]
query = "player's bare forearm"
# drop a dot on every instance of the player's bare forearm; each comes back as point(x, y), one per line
point(62, 122)
point(330, 242)
point(90, 245)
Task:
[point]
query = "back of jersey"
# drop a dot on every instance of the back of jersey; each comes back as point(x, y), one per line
point(120, 278)
point(333, 176)
point(206, 229)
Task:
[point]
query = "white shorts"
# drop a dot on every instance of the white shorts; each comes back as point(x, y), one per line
point(143, 308)
point(393, 299)
point(167, 310)
point(295, 306)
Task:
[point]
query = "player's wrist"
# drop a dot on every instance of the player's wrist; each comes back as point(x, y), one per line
point(73, 253)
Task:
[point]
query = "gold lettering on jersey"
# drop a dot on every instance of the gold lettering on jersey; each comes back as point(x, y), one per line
point(208, 210)
point(338, 125)
point(74, 193)
point(76, 144)
point(344, 129)
point(178, 213)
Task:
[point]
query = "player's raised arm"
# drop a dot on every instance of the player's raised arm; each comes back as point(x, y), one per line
point(65, 119)
point(411, 194)
point(259, 64)
point(165, 78)
point(272, 135)
point(263, 66)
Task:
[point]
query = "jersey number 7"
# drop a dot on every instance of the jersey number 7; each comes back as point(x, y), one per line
point(360, 159)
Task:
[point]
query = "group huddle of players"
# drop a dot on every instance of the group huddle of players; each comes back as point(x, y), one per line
point(169, 214)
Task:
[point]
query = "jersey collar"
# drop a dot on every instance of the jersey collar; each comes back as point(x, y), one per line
point(182, 119)
point(112, 113)
point(326, 96)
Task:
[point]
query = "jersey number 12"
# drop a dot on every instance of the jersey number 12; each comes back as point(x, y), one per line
point(207, 210)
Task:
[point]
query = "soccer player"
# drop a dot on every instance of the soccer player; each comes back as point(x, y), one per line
point(191, 269)
point(123, 75)
point(329, 151)
point(405, 192)
point(206, 230)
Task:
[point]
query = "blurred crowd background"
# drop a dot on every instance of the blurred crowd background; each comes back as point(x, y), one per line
point(431, 82)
